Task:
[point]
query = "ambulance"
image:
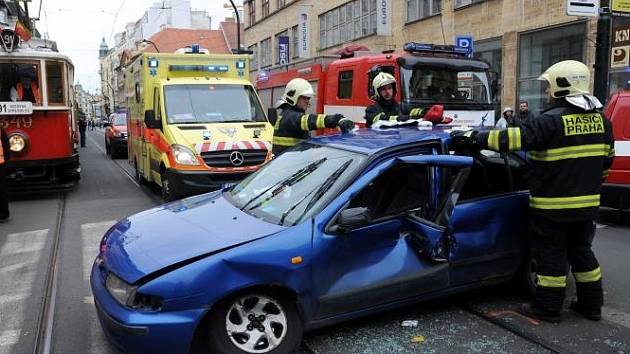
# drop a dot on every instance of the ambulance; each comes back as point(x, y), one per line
point(195, 122)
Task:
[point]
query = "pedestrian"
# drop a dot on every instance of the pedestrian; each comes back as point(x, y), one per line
point(570, 150)
point(385, 106)
point(294, 124)
point(4, 193)
point(523, 114)
point(82, 127)
point(507, 118)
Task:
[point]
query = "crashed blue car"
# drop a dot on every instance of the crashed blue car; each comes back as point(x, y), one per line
point(333, 229)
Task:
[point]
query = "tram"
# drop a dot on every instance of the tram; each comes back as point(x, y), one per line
point(36, 111)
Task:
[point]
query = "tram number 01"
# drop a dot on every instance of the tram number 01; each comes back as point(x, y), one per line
point(17, 122)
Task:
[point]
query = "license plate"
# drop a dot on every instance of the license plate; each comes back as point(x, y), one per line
point(13, 108)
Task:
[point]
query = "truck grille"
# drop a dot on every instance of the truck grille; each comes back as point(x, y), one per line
point(225, 158)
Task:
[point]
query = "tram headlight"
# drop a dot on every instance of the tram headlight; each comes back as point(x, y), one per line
point(184, 156)
point(17, 142)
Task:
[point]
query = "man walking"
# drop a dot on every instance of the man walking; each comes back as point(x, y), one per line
point(571, 149)
point(82, 128)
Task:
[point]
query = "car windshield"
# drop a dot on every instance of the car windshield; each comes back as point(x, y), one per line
point(211, 103)
point(119, 120)
point(295, 184)
point(445, 85)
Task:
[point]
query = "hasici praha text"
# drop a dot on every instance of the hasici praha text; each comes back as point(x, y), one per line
point(583, 123)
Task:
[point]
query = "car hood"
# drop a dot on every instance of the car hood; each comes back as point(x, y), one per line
point(178, 233)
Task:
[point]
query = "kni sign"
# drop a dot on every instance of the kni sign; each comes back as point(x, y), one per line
point(619, 53)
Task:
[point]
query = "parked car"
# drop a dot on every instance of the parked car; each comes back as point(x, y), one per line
point(333, 229)
point(116, 135)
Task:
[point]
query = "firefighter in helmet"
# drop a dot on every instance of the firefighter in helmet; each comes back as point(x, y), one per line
point(385, 106)
point(570, 148)
point(294, 124)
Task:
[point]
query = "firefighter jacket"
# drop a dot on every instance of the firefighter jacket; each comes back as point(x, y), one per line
point(388, 110)
point(293, 126)
point(4, 147)
point(570, 151)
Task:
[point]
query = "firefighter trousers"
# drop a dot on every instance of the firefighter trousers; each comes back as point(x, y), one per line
point(4, 196)
point(554, 244)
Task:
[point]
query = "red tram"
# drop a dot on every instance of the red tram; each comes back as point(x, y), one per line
point(36, 111)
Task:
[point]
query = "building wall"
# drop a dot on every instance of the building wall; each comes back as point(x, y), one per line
point(506, 20)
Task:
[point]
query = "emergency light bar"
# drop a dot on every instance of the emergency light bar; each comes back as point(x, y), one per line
point(413, 47)
point(201, 68)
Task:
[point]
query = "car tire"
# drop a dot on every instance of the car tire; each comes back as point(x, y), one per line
point(268, 315)
point(141, 181)
point(167, 190)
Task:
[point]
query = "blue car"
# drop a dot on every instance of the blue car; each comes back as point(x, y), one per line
point(333, 229)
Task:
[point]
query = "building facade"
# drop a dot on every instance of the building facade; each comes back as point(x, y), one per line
point(519, 38)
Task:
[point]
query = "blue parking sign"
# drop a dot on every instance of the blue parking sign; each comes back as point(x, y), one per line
point(465, 41)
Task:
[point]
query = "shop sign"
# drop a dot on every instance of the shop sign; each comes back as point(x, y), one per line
point(621, 6)
point(620, 48)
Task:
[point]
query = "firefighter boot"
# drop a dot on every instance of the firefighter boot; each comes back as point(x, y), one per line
point(590, 299)
point(533, 311)
point(594, 314)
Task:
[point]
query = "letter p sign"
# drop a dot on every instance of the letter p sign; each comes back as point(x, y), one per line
point(465, 42)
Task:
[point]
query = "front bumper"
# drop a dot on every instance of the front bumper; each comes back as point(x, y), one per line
point(35, 176)
point(615, 196)
point(118, 144)
point(131, 331)
point(184, 183)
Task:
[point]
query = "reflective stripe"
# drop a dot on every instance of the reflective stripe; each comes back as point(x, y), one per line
point(605, 173)
point(571, 152)
point(393, 118)
point(552, 282)
point(415, 112)
point(304, 122)
point(493, 140)
point(583, 201)
point(321, 121)
point(286, 141)
point(612, 152)
point(277, 125)
point(377, 117)
point(588, 277)
point(514, 138)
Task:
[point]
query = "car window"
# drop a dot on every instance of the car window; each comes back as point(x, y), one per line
point(491, 176)
point(119, 120)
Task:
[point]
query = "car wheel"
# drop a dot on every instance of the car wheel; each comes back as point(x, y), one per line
point(255, 323)
point(167, 191)
point(138, 176)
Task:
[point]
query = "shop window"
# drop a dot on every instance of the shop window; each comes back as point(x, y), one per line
point(541, 49)
point(490, 51)
point(344, 88)
point(54, 77)
point(418, 9)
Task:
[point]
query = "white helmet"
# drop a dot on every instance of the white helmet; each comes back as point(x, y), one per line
point(567, 78)
point(383, 79)
point(296, 88)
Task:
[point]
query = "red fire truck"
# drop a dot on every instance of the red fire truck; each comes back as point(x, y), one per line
point(616, 190)
point(36, 112)
point(426, 74)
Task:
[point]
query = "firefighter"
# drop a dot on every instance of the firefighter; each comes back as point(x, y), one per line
point(294, 124)
point(570, 148)
point(4, 197)
point(385, 106)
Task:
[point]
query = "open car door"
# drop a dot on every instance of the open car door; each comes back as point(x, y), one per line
point(382, 240)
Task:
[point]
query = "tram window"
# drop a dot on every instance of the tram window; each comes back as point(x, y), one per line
point(20, 82)
point(54, 76)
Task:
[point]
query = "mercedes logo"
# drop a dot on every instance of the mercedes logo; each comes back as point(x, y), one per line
point(236, 158)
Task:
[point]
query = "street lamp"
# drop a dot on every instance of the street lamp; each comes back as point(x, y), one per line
point(113, 95)
point(150, 42)
point(238, 33)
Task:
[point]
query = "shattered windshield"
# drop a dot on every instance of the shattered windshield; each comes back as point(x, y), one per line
point(293, 185)
point(445, 85)
point(211, 103)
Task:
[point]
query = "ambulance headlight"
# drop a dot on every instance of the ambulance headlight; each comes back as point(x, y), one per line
point(184, 156)
point(17, 142)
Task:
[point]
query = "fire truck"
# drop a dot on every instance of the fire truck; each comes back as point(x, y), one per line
point(616, 190)
point(36, 112)
point(426, 75)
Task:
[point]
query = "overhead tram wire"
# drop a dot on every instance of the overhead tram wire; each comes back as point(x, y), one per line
point(111, 35)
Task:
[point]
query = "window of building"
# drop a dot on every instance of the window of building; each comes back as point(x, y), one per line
point(347, 22)
point(265, 53)
point(281, 3)
point(539, 50)
point(417, 9)
point(252, 12)
point(277, 43)
point(54, 76)
point(344, 88)
point(294, 42)
point(254, 57)
point(490, 51)
point(462, 3)
point(265, 8)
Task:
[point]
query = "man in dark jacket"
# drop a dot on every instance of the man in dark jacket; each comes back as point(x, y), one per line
point(4, 196)
point(82, 127)
point(523, 115)
point(294, 124)
point(571, 147)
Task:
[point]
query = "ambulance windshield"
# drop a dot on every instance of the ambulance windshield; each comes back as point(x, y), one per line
point(210, 103)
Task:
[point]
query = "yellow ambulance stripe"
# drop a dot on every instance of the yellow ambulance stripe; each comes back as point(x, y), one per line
point(588, 277)
point(552, 282)
point(583, 201)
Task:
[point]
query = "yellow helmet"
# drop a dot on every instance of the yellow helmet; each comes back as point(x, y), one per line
point(383, 79)
point(296, 88)
point(567, 78)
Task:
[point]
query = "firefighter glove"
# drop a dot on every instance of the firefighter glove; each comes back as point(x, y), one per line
point(464, 138)
point(346, 125)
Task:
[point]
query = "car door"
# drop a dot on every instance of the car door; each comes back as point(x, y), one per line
point(392, 256)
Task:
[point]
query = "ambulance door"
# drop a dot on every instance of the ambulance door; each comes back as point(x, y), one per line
point(152, 154)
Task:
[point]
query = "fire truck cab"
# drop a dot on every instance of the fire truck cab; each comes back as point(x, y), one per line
point(426, 74)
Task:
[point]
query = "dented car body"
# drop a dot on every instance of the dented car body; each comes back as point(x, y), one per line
point(338, 227)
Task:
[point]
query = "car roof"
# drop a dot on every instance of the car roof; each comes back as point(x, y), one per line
point(372, 141)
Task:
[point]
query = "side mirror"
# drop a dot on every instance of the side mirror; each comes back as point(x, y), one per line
point(272, 115)
point(352, 218)
point(150, 121)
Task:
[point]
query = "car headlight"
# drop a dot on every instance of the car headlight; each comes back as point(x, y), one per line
point(184, 156)
point(121, 291)
point(17, 142)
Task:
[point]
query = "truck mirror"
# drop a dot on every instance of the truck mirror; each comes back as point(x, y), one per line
point(272, 115)
point(150, 121)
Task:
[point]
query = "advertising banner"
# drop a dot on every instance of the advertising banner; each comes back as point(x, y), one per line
point(304, 32)
point(283, 50)
point(384, 23)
